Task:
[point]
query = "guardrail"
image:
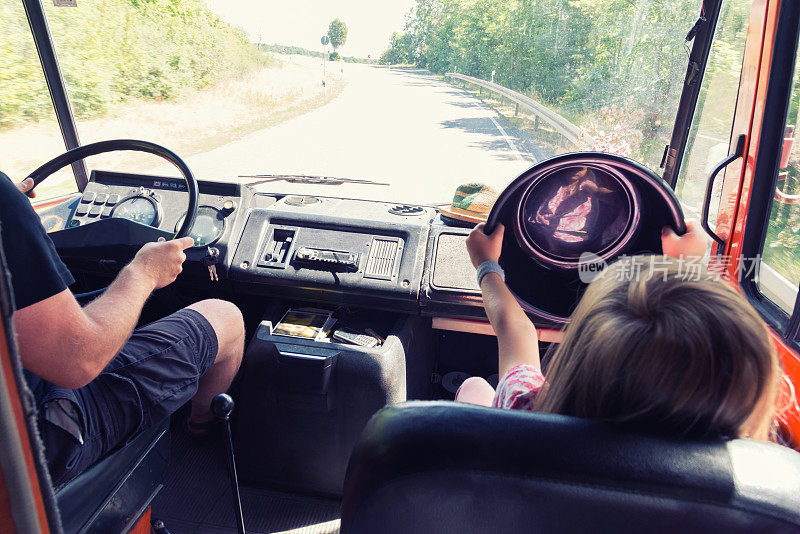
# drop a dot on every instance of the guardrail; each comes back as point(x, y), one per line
point(559, 123)
point(777, 287)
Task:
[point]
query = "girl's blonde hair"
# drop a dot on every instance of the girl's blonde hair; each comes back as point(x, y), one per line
point(664, 346)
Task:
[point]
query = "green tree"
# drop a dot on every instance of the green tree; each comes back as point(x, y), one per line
point(400, 50)
point(337, 32)
point(592, 61)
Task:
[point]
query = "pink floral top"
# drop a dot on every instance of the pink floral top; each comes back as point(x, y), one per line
point(517, 389)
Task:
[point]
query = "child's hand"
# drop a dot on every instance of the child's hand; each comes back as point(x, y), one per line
point(482, 247)
point(691, 244)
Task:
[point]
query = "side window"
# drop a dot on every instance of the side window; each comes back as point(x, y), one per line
point(29, 133)
point(710, 134)
point(779, 274)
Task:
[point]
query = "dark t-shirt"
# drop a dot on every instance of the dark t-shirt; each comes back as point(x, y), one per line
point(36, 270)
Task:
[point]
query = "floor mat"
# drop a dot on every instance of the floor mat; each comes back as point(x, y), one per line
point(197, 498)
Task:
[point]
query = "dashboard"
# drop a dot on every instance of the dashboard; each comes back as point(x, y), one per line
point(370, 254)
point(319, 248)
point(157, 202)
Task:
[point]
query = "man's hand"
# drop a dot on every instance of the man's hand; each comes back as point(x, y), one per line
point(26, 186)
point(162, 261)
point(691, 244)
point(482, 247)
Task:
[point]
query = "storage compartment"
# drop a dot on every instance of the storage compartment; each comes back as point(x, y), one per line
point(303, 403)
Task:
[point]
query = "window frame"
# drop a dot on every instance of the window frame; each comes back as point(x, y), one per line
point(765, 172)
point(692, 84)
point(40, 31)
point(673, 152)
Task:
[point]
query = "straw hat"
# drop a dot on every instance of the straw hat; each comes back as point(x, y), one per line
point(471, 204)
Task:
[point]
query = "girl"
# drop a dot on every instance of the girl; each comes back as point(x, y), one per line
point(675, 352)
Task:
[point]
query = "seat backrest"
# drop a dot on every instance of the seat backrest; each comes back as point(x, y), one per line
point(450, 467)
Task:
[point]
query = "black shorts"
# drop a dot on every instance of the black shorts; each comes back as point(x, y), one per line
point(154, 374)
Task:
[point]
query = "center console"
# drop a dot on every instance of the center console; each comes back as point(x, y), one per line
point(304, 401)
point(316, 249)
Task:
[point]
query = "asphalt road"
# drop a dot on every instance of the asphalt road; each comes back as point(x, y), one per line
point(400, 126)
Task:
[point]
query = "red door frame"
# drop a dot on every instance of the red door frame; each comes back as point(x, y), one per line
point(7, 523)
point(735, 200)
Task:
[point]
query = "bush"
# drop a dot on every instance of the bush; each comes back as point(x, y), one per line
point(114, 50)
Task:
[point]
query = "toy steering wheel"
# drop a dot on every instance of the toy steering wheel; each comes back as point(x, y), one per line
point(135, 145)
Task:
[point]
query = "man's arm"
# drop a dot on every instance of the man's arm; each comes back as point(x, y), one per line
point(516, 336)
point(69, 345)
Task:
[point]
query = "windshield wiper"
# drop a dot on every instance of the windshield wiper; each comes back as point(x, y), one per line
point(306, 179)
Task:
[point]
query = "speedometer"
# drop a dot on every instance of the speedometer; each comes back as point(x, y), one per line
point(139, 209)
point(209, 224)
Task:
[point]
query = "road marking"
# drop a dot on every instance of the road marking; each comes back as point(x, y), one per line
point(509, 141)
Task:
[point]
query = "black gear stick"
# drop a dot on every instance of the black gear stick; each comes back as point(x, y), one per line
point(222, 406)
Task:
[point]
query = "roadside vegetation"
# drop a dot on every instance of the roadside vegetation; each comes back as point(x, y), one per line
point(337, 33)
point(169, 71)
point(112, 51)
point(578, 57)
point(299, 51)
point(615, 69)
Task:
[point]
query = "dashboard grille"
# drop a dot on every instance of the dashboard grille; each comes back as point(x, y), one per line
point(405, 210)
point(382, 256)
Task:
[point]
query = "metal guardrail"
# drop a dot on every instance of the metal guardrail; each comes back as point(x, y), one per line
point(561, 125)
point(775, 286)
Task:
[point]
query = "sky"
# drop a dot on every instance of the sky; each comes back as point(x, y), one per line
point(303, 22)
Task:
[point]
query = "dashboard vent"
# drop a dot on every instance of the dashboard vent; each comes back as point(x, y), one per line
point(300, 200)
point(405, 210)
point(382, 257)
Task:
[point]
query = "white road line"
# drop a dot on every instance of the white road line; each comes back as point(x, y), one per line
point(510, 143)
point(508, 139)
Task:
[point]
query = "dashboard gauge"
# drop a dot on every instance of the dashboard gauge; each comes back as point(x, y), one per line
point(139, 209)
point(209, 224)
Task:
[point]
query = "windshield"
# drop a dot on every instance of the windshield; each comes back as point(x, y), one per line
point(421, 95)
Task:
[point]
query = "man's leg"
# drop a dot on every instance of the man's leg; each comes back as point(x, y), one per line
point(228, 324)
point(192, 354)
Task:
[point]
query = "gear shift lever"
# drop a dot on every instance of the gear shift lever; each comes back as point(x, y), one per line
point(222, 406)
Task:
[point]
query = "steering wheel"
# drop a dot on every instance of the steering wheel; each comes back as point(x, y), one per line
point(134, 145)
point(115, 145)
point(567, 216)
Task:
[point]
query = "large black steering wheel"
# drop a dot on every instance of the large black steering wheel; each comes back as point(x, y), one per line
point(135, 145)
point(115, 145)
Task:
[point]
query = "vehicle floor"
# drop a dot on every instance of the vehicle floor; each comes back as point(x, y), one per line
point(197, 497)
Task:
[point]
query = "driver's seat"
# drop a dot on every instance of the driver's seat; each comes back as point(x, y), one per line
point(446, 467)
point(114, 493)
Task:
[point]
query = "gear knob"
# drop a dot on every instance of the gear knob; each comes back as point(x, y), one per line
point(222, 406)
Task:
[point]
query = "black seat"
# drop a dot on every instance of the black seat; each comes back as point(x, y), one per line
point(446, 467)
point(113, 493)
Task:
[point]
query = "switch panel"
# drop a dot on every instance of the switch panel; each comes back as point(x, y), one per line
point(277, 247)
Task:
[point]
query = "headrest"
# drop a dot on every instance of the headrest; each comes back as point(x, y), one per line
point(451, 467)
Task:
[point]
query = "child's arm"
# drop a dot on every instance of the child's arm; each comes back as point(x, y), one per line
point(516, 336)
